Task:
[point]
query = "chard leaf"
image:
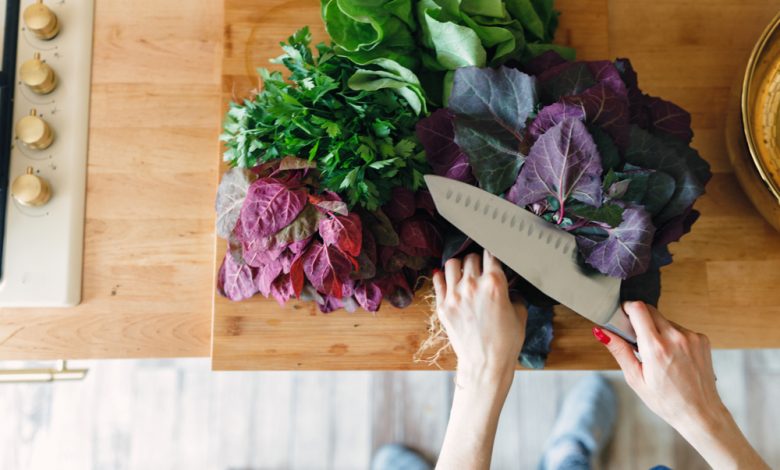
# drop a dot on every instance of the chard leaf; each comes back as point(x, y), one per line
point(402, 205)
point(269, 207)
point(563, 163)
point(369, 296)
point(235, 279)
point(625, 251)
point(419, 237)
point(491, 108)
point(302, 228)
point(327, 268)
point(344, 232)
point(230, 197)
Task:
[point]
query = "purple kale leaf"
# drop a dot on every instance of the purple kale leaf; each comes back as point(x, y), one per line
point(622, 251)
point(570, 78)
point(269, 207)
point(667, 118)
point(437, 135)
point(491, 109)
point(675, 159)
point(599, 105)
point(563, 164)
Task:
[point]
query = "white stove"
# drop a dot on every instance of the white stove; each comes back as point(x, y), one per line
point(44, 121)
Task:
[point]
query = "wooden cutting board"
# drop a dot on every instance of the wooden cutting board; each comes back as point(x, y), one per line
point(725, 274)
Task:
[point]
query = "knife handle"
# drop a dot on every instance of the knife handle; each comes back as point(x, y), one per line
point(620, 325)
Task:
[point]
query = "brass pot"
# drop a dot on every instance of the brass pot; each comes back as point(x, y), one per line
point(753, 125)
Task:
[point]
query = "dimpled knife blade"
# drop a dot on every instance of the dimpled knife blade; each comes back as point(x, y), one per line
point(543, 254)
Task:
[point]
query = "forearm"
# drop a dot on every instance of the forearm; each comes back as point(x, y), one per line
point(476, 407)
point(720, 441)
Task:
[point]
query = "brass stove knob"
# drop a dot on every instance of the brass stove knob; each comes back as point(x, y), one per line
point(30, 189)
point(38, 75)
point(41, 20)
point(34, 132)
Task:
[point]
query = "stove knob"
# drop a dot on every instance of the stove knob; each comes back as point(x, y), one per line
point(34, 132)
point(41, 20)
point(30, 189)
point(38, 76)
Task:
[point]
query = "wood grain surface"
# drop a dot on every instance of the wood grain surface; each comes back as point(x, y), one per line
point(723, 281)
point(152, 172)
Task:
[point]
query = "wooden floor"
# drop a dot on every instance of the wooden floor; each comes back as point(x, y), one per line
point(176, 414)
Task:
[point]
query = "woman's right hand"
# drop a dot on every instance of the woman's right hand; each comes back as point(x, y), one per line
point(676, 380)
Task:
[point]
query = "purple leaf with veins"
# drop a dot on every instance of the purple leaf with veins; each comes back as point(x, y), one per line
point(269, 207)
point(437, 136)
point(563, 163)
point(598, 105)
point(625, 251)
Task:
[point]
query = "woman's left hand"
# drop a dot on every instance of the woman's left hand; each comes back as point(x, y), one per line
point(485, 329)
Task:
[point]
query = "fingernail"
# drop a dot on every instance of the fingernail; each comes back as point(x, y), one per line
point(436, 271)
point(600, 335)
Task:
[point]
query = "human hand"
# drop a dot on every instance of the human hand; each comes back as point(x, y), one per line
point(675, 378)
point(485, 329)
point(677, 382)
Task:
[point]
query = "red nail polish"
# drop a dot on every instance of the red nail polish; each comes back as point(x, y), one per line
point(599, 334)
point(436, 271)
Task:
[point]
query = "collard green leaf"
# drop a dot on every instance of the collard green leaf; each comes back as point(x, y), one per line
point(651, 189)
point(563, 163)
point(230, 197)
point(669, 119)
point(610, 155)
point(491, 108)
point(625, 251)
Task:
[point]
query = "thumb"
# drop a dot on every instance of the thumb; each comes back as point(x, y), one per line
point(623, 354)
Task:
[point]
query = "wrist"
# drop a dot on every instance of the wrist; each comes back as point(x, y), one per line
point(499, 378)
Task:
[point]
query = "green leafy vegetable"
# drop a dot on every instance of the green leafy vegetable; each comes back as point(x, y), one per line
point(356, 125)
point(432, 38)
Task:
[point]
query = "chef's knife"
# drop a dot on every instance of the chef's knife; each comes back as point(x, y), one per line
point(543, 254)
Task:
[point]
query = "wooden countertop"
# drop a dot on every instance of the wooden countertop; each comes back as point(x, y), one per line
point(148, 258)
point(726, 272)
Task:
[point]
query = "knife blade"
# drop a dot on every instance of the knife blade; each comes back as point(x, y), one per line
point(537, 250)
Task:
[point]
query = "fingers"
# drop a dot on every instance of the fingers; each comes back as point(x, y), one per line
point(471, 266)
point(490, 263)
point(452, 272)
point(623, 353)
point(439, 287)
point(642, 320)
